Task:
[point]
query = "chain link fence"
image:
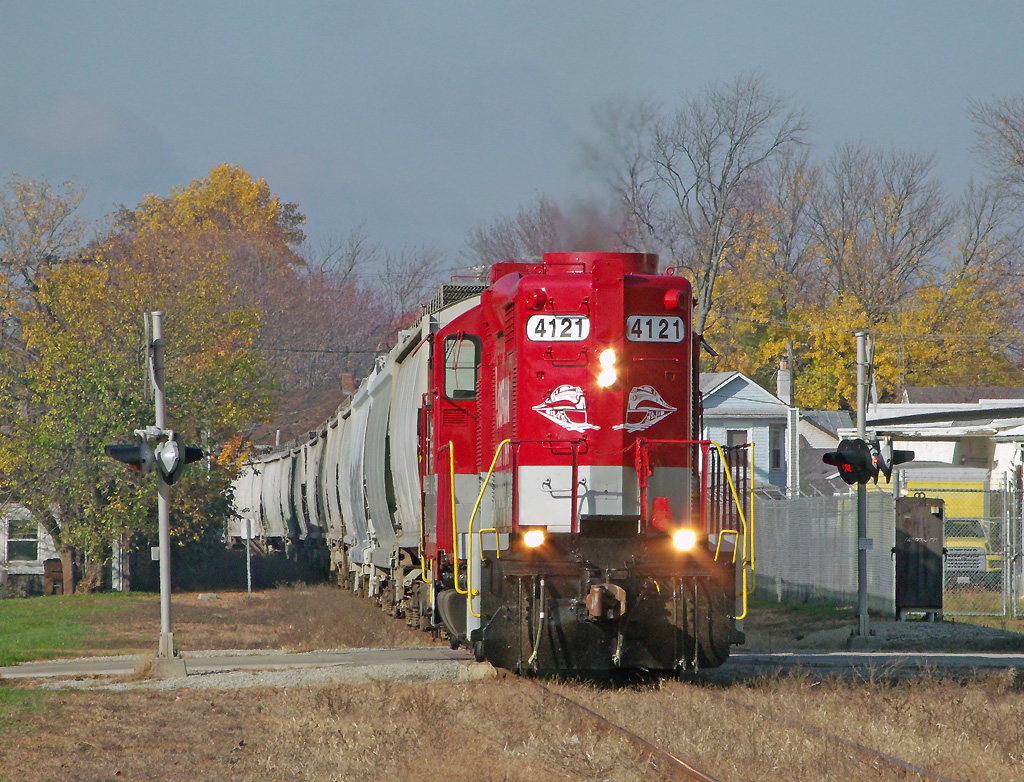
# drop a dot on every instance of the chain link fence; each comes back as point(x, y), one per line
point(806, 550)
point(976, 537)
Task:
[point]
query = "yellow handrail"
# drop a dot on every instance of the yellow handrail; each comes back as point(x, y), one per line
point(718, 546)
point(743, 520)
point(423, 546)
point(455, 529)
point(472, 518)
point(497, 543)
point(753, 535)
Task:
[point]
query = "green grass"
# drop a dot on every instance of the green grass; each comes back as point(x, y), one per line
point(46, 627)
point(16, 704)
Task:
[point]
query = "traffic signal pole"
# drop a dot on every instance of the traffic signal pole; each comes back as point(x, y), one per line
point(166, 648)
point(863, 629)
point(860, 461)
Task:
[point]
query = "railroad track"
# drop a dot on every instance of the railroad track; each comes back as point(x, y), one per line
point(666, 761)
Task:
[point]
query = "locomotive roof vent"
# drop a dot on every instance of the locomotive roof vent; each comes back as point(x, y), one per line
point(583, 263)
point(451, 293)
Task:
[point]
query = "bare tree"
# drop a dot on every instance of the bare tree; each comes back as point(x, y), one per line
point(545, 227)
point(985, 231)
point(345, 305)
point(342, 256)
point(881, 220)
point(622, 160)
point(783, 197)
point(999, 126)
point(525, 236)
point(682, 176)
point(403, 282)
point(320, 316)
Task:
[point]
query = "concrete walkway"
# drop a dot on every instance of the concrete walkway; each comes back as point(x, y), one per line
point(223, 661)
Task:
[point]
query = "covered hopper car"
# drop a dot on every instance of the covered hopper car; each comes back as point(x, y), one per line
point(524, 471)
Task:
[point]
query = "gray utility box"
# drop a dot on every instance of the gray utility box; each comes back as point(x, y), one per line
point(918, 552)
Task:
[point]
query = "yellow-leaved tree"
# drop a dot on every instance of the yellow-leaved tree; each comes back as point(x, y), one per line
point(82, 385)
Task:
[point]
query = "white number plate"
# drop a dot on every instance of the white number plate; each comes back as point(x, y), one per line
point(557, 328)
point(655, 328)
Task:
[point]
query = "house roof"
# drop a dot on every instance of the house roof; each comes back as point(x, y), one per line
point(709, 381)
point(828, 421)
point(945, 421)
point(959, 394)
point(736, 394)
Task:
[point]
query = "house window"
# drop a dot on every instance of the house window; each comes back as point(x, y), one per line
point(776, 448)
point(734, 437)
point(22, 540)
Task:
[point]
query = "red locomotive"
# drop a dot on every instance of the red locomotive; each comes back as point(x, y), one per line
point(525, 469)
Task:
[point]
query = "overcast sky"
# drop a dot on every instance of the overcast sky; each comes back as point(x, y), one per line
point(420, 120)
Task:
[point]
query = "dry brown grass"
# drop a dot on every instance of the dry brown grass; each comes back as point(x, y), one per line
point(93, 735)
point(503, 729)
point(301, 618)
point(510, 730)
point(964, 730)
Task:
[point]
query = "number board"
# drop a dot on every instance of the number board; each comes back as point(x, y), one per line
point(557, 328)
point(655, 328)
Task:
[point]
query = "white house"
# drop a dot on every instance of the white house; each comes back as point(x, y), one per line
point(737, 411)
point(24, 548)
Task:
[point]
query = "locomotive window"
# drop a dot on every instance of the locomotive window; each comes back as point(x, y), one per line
point(461, 366)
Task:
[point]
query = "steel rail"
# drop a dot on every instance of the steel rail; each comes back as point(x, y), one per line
point(663, 757)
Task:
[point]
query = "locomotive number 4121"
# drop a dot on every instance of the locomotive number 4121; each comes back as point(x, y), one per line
point(557, 328)
point(655, 328)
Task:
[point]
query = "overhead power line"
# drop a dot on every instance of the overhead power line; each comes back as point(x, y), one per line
point(336, 351)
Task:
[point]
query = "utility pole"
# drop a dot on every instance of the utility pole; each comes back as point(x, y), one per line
point(166, 648)
point(863, 629)
point(156, 448)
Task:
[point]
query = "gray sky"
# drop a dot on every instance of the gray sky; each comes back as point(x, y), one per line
point(420, 120)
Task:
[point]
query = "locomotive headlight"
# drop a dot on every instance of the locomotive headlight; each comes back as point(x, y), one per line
point(608, 374)
point(684, 539)
point(533, 537)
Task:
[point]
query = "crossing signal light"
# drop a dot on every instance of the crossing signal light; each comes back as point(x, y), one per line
point(854, 461)
point(888, 457)
point(859, 461)
point(171, 459)
point(138, 456)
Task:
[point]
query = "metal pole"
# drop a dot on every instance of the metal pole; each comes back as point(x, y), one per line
point(166, 648)
point(862, 492)
point(248, 556)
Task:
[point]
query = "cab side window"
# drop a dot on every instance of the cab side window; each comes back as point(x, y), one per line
point(461, 366)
